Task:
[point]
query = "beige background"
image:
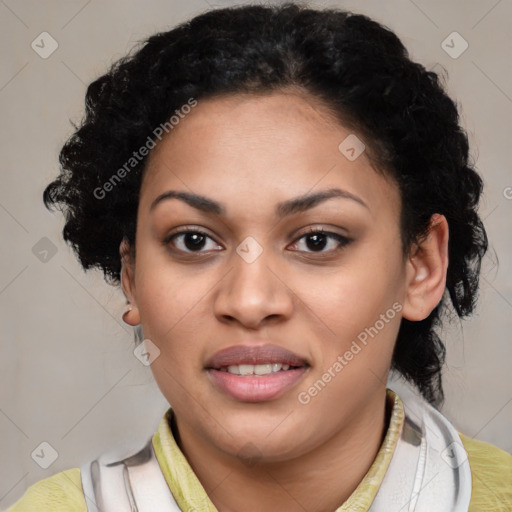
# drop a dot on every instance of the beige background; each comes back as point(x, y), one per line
point(68, 374)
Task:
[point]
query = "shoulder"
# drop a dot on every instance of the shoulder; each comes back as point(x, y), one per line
point(491, 472)
point(61, 492)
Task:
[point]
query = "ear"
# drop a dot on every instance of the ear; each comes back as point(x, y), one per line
point(132, 317)
point(426, 271)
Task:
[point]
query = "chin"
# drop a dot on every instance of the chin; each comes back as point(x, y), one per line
point(263, 441)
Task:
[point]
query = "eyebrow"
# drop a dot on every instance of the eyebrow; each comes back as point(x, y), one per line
point(291, 206)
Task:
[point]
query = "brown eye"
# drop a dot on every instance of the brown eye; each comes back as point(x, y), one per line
point(190, 240)
point(316, 240)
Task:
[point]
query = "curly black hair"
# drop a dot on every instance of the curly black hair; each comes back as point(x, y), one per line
point(357, 67)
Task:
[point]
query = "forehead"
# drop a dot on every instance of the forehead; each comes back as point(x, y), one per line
point(261, 148)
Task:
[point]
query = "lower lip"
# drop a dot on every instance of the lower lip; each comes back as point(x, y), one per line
point(248, 388)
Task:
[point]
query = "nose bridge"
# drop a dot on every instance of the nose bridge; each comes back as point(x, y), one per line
point(252, 290)
point(251, 275)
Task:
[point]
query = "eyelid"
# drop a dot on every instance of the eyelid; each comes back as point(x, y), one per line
point(186, 229)
point(322, 228)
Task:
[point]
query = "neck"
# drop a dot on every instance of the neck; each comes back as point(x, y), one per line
point(320, 480)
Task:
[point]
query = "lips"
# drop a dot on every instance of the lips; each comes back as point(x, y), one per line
point(236, 372)
point(261, 354)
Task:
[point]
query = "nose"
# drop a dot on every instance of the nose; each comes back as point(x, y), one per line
point(253, 293)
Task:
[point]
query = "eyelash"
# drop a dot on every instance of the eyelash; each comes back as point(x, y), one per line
point(342, 240)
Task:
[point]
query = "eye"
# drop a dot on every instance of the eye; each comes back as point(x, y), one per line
point(188, 240)
point(317, 239)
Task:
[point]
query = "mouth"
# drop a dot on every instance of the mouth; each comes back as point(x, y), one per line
point(256, 369)
point(255, 373)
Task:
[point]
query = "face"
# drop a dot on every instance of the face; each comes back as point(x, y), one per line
point(271, 334)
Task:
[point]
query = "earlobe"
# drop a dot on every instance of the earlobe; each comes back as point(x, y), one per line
point(426, 271)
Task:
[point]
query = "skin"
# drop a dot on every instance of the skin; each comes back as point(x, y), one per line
point(249, 153)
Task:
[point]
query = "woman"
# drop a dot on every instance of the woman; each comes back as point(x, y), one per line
point(286, 200)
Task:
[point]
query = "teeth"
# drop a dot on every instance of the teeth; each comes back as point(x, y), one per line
point(256, 369)
point(246, 369)
point(264, 369)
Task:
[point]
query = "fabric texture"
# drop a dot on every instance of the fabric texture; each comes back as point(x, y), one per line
point(61, 492)
point(491, 470)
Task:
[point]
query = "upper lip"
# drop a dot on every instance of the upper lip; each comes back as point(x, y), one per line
point(254, 354)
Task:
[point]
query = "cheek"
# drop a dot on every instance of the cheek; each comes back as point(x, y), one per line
point(348, 298)
point(174, 318)
point(356, 308)
point(171, 301)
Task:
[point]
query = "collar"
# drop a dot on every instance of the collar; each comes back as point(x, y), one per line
point(191, 495)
